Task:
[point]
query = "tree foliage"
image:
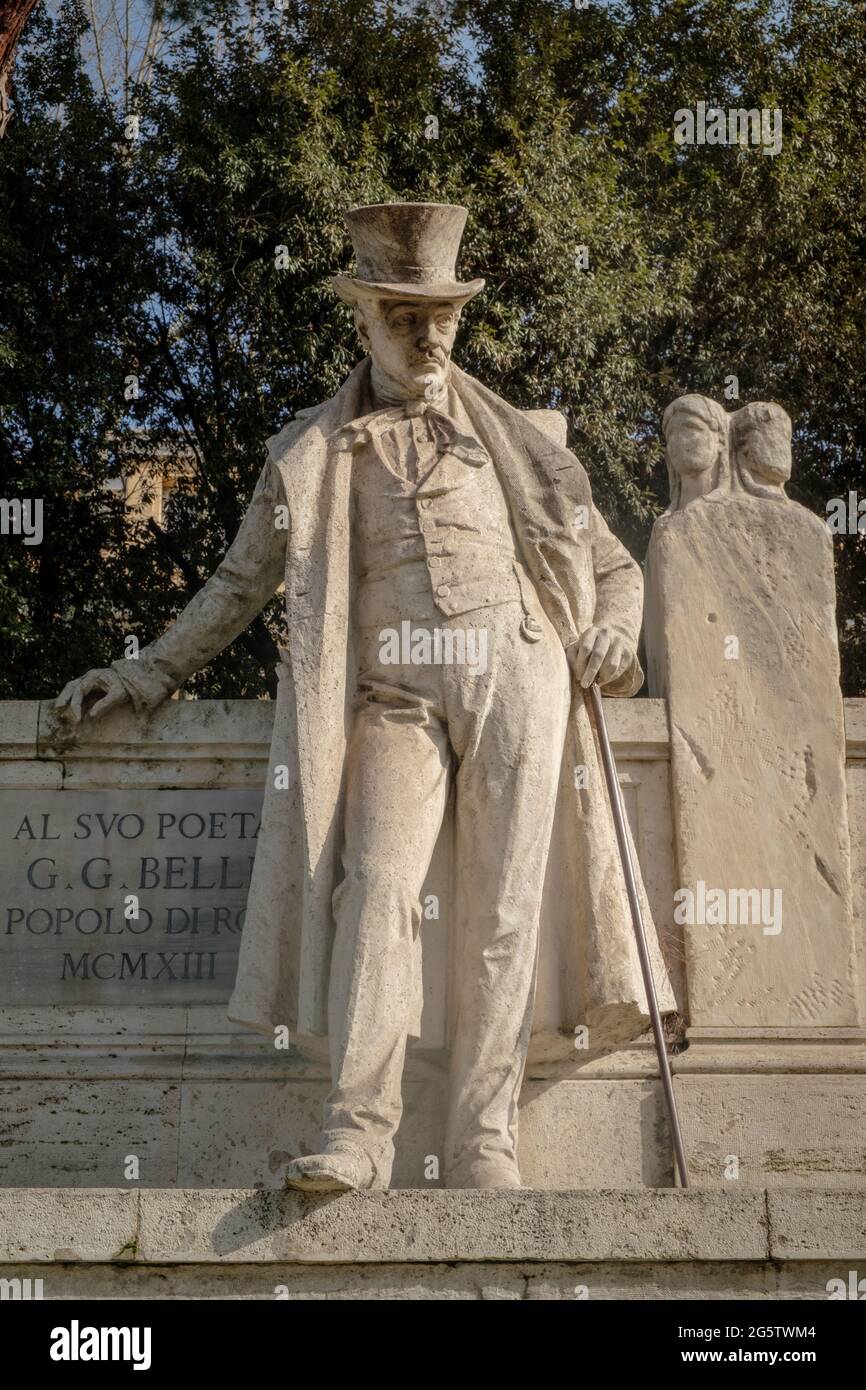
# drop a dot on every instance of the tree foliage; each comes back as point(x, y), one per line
point(156, 257)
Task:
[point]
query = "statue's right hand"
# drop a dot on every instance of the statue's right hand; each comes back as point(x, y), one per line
point(91, 695)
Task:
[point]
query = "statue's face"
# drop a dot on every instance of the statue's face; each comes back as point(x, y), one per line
point(766, 453)
point(692, 445)
point(411, 340)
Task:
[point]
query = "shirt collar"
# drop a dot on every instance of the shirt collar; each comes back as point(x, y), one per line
point(386, 414)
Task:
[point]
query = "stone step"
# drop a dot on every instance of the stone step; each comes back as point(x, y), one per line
point(238, 1244)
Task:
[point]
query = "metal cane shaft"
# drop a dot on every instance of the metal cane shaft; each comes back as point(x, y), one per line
point(639, 930)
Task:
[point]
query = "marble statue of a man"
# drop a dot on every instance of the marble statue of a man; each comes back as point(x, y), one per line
point(449, 587)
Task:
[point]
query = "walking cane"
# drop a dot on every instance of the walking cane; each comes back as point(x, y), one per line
point(618, 809)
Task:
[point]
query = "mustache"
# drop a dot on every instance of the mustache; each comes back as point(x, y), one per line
point(433, 355)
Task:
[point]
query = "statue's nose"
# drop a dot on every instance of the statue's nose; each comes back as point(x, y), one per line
point(430, 336)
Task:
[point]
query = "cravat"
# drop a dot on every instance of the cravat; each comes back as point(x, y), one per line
point(394, 407)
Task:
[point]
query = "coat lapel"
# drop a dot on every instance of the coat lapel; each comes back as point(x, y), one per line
point(316, 473)
point(549, 499)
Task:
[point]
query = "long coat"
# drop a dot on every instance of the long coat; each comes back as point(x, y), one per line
point(589, 971)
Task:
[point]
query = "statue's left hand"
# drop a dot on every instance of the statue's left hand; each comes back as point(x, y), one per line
point(600, 655)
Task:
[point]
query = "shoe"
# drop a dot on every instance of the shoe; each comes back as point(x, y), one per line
point(338, 1170)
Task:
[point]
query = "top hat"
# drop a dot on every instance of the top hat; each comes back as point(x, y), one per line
point(406, 251)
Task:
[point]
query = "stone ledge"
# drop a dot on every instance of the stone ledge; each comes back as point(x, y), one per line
point(40, 1226)
point(695, 1280)
point(242, 728)
point(832, 1219)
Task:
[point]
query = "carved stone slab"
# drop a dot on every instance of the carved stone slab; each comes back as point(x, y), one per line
point(123, 897)
point(741, 638)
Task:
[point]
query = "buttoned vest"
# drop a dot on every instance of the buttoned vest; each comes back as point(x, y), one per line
point(442, 545)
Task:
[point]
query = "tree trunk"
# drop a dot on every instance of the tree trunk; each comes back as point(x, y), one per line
point(13, 17)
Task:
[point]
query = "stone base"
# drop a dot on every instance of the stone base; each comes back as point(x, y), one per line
point(163, 1244)
point(202, 1109)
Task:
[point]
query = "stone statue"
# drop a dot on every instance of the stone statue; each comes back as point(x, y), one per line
point(761, 450)
point(741, 641)
point(450, 588)
point(696, 439)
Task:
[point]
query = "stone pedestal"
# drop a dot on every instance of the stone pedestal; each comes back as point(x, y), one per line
point(86, 1083)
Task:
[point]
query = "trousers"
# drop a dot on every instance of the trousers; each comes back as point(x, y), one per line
point(494, 728)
